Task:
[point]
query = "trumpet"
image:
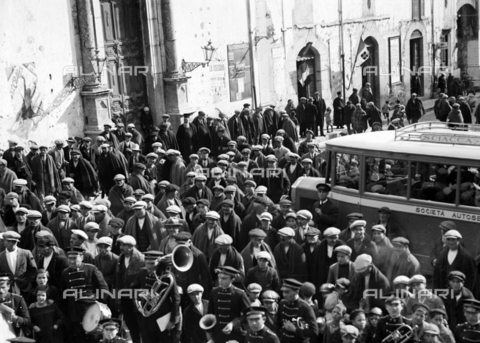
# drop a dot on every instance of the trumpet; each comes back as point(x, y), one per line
point(400, 335)
point(208, 321)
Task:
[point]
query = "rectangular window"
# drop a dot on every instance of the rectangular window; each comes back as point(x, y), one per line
point(386, 176)
point(395, 66)
point(347, 170)
point(418, 9)
point(432, 182)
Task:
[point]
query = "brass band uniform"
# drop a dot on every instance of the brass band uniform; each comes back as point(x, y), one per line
point(296, 321)
point(226, 303)
point(157, 277)
point(80, 281)
point(257, 331)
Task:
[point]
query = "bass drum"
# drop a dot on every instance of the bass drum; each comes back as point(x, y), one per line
point(93, 315)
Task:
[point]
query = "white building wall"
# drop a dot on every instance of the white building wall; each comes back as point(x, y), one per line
point(38, 43)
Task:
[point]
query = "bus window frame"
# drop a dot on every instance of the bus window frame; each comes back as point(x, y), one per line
point(398, 156)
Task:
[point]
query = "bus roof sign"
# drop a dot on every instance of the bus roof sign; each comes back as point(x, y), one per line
point(450, 139)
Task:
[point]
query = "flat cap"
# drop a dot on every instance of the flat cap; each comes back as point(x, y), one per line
point(456, 274)
point(49, 199)
point(207, 150)
point(22, 210)
point(431, 329)
point(265, 255)
point(219, 187)
point(285, 202)
point(250, 183)
point(448, 225)
point(384, 209)
point(20, 182)
point(34, 214)
point(271, 158)
point(421, 305)
point(91, 226)
point(127, 239)
point(188, 201)
point(345, 249)
point(379, 227)
point(291, 215)
point(194, 287)
point(304, 214)
point(212, 215)
point(163, 184)
point(11, 236)
point(200, 177)
point(152, 155)
point(130, 199)
point(266, 216)
point(86, 204)
point(204, 202)
point(270, 296)
point(307, 160)
point(291, 284)
point(307, 289)
point(173, 222)
point(139, 205)
point(254, 288)
point(224, 240)
point(99, 208)
point(257, 233)
point(331, 231)
point(119, 177)
point(312, 232)
point(64, 209)
point(139, 166)
point(105, 240)
point(230, 189)
point(171, 188)
point(262, 201)
point(12, 195)
point(80, 233)
point(220, 162)
point(400, 240)
point(286, 232)
point(182, 236)
point(453, 234)
point(401, 280)
point(375, 311)
point(174, 209)
point(418, 279)
point(359, 222)
point(362, 263)
point(261, 190)
point(148, 196)
point(68, 180)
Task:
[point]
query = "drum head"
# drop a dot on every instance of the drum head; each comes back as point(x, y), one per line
point(91, 318)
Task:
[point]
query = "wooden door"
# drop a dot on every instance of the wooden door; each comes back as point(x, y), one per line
point(125, 66)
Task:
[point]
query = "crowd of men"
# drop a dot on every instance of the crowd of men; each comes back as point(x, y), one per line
point(86, 226)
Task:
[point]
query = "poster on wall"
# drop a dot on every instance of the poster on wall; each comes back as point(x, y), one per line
point(239, 71)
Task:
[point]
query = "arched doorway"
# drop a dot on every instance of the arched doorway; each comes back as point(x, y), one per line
point(371, 69)
point(308, 72)
point(467, 39)
point(416, 61)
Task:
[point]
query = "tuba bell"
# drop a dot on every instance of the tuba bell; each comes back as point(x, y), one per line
point(208, 321)
point(149, 301)
point(400, 335)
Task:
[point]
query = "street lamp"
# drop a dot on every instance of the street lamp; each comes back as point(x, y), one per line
point(208, 51)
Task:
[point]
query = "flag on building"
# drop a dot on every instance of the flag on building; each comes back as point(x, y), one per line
point(302, 73)
point(362, 53)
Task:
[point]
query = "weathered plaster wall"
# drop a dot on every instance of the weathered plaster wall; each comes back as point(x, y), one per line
point(39, 40)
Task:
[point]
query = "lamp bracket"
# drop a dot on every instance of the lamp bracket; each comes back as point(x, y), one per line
point(191, 66)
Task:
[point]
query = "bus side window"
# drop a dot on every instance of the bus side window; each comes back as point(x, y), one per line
point(386, 176)
point(433, 182)
point(469, 186)
point(347, 170)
